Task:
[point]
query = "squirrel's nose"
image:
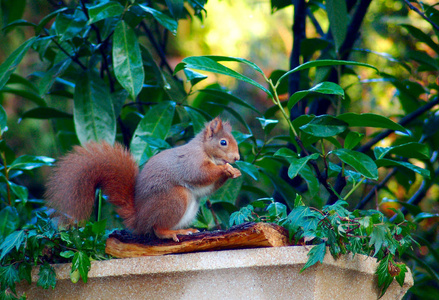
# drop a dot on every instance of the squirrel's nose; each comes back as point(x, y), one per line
point(236, 158)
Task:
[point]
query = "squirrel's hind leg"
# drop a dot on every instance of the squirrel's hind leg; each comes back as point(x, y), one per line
point(183, 208)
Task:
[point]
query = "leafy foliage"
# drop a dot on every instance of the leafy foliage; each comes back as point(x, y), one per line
point(104, 74)
point(42, 244)
point(334, 227)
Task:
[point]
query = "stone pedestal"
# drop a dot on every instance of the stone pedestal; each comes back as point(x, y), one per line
point(263, 273)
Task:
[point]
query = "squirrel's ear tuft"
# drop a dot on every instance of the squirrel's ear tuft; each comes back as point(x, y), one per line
point(213, 127)
point(227, 127)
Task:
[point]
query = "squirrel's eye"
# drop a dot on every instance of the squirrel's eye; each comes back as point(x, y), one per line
point(223, 143)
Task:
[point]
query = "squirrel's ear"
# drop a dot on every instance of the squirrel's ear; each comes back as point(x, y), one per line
point(213, 127)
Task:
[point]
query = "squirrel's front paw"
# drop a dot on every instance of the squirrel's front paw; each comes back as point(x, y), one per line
point(232, 172)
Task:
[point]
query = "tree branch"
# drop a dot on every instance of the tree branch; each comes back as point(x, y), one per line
point(375, 189)
point(415, 9)
point(321, 178)
point(161, 53)
point(101, 47)
point(404, 121)
point(299, 33)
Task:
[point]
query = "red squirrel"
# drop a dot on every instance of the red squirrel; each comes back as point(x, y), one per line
point(163, 198)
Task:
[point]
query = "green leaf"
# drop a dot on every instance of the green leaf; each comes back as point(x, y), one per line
point(25, 272)
point(229, 97)
point(352, 140)
point(298, 164)
point(30, 162)
point(67, 26)
point(401, 276)
point(12, 10)
point(93, 110)
point(20, 80)
point(17, 23)
point(362, 163)
point(323, 63)
point(99, 226)
point(329, 88)
point(338, 20)
point(127, 59)
point(209, 64)
point(267, 124)
point(286, 153)
point(9, 277)
point(194, 77)
point(241, 216)
point(198, 120)
point(14, 240)
point(20, 191)
point(9, 221)
point(384, 278)
point(163, 19)
point(81, 262)
point(298, 201)
point(384, 162)
point(160, 76)
point(118, 98)
point(156, 123)
point(421, 36)
point(155, 143)
point(408, 150)
point(25, 94)
point(324, 126)
point(3, 120)
point(9, 65)
point(47, 19)
point(45, 113)
point(228, 192)
point(67, 254)
point(370, 120)
point(399, 215)
point(47, 276)
point(311, 180)
point(218, 58)
point(277, 210)
point(104, 10)
point(249, 169)
point(315, 255)
point(424, 215)
point(49, 78)
point(176, 8)
point(378, 237)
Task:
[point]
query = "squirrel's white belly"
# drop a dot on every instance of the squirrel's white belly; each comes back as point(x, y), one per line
point(189, 214)
point(193, 204)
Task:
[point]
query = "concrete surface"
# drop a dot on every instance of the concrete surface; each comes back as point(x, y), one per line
point(263, 273)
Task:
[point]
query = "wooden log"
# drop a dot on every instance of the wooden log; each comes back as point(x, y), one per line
point(123, 244)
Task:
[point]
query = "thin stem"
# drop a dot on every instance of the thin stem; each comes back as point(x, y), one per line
point(99, 205)
point(276, 101)
point(355, 186)
point(160, 51)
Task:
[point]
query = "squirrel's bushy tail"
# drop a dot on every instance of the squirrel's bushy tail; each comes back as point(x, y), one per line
point(71, 187)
